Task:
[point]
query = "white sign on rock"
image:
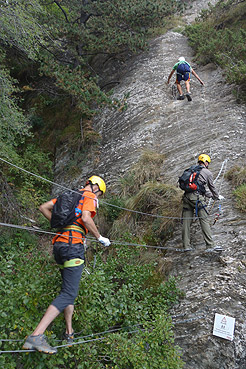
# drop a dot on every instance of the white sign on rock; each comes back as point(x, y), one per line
point(224, 326)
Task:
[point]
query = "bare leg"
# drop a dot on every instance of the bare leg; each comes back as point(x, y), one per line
point(179, 88)
point(51, 313)
point(68, 314)
point(187, 85)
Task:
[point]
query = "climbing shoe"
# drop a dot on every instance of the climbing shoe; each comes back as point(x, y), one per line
point(68, 337)
point(180, 97)
point(188, 95)
point(40, 344)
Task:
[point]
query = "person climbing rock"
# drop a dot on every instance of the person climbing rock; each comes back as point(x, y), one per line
point(183, 71)
point(195, 201)
point(68, 250)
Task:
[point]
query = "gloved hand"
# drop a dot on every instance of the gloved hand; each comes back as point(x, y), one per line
point(221, 197)
point(104, 241)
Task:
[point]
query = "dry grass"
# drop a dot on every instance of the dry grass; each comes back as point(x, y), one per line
point(156, 198)
point(240, 194)
point(153, 198)
point(147, 169)
point(237, 175)
point(147, 196)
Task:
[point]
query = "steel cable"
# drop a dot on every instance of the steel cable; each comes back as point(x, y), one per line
point(104, 202)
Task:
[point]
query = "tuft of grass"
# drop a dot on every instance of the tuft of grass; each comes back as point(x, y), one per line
point(237, 175)
point(218, 36)
point(147, 169)
point(153, 198)
point(143, 193)
point(240, 194)
point(156, 198)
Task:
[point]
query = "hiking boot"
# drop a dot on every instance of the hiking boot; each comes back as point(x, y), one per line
point(188, 95)
point(68, 337)
point(180, 97)
point(40, 344)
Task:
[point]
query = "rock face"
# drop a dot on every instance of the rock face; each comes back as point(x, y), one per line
point(212, 123)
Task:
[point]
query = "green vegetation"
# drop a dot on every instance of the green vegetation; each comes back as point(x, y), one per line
point(121, 293)
point(240, 193)
point(124, 289)
point(53, 60)
point(53, 56)
point(237, 176)
point(218, 36)
point(69, 44)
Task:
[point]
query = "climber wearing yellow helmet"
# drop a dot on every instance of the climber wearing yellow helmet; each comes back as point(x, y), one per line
point(194, 200)
point(73, 212)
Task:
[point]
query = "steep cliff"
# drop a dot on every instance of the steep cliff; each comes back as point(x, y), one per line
point(211, 123)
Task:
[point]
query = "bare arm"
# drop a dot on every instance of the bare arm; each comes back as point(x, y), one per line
point(170, 75)
point(89, 223)
point(46, 209)
point(196, 75)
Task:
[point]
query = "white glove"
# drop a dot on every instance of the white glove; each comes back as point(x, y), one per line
point(221, 197)
point(104, 241)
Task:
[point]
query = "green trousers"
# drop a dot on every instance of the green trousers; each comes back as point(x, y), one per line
point(189, 206)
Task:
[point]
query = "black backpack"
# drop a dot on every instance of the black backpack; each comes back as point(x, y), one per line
point(63, 212)
point(188, 181)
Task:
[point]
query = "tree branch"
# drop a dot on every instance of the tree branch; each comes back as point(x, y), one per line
point(63, 11)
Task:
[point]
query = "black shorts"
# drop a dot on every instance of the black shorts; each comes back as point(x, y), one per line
point(70, 276)
point(63, 251)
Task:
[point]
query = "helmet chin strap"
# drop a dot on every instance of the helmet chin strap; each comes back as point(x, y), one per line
point(91, 185)
point(95, 192)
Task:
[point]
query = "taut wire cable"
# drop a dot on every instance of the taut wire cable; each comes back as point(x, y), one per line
point(104, 202)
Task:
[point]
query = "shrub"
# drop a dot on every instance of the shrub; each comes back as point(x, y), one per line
point(240, 194)
point(120, 292)
point(218, 36)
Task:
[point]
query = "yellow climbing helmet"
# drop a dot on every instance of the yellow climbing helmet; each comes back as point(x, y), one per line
point(99, 181)
point(203, 158)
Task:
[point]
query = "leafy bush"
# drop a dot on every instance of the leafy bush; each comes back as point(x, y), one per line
point(218, 36)
point(120, 292)
point(13, 124)
point(22, 193)
point(112, 208)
